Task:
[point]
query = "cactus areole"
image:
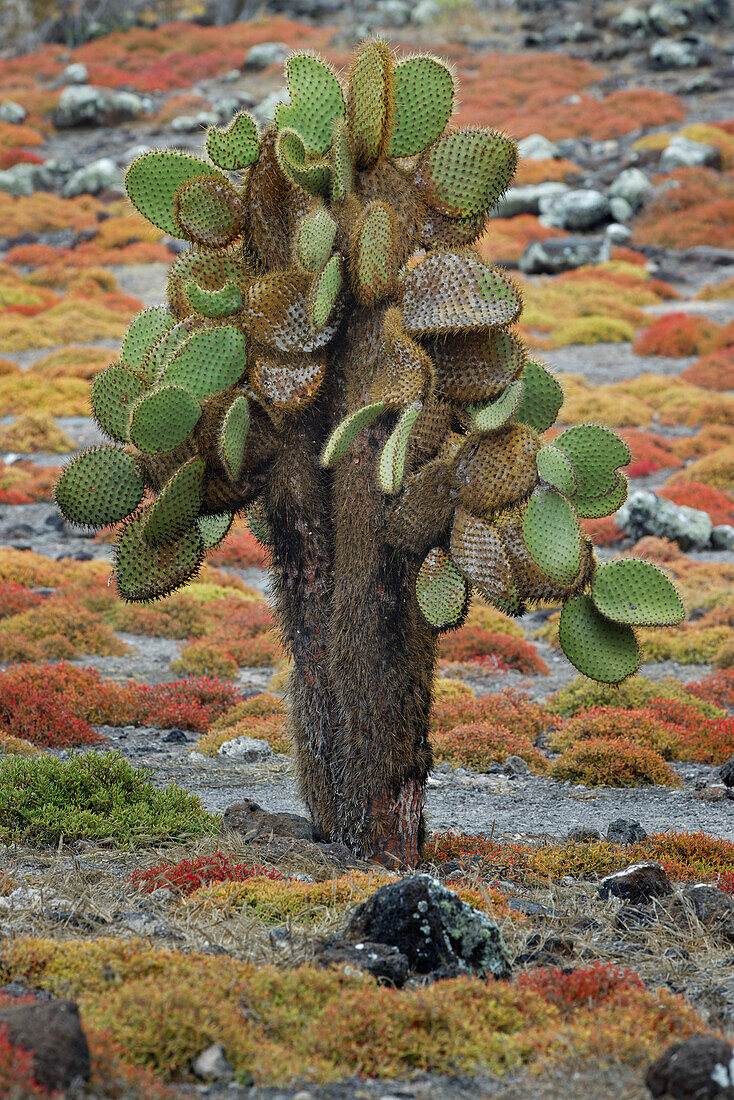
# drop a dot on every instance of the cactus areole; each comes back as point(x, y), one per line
point(336, 360)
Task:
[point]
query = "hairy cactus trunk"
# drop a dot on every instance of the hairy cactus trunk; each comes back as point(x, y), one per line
point(363, 656)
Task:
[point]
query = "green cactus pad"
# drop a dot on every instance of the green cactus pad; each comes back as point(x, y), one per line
point(555, 468)
point(596, 454)
point(101, 485)
point(316, 101)
point(153, 179)
point(487, 418)
point(257, 521)
point(373, 253)
point(144, 572)
point(424, 100)
point(391, 467)
point(177, 506)
point(441, 590)
point(313, 176)
point(347, 431)
point(209, 212)
point(235, 146)
point(277, 314)
point(467, 171)
point(166, 347)
point(541, 399)
point(477, 551)
point(146, 330)
point(597, 507)
point(597, 647)
point(208, 362)
point(209, 270)
point(342, 163)
point(448, 291)
point(552, 535)
point(163, 418)
point(370, 99)
point(636, 592)
point(233, 436)
point(324, 292)
point(114, 392)
point(315, 238)
point(224, 302)
point(213, 529)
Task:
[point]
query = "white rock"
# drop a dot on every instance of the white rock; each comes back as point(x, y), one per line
point(245, 749)
point(212, 1064)
point(633, 186)
point(12, 112)
point(265, 110)
point(266, 53)
point(683, 152)
point(537, 147)
point(75, 74)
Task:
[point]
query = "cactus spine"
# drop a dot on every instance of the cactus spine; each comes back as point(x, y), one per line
point(336, 360)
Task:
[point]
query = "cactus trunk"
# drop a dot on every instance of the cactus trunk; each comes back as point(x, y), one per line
point(363, 656)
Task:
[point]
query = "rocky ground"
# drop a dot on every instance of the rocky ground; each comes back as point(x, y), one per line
point(681, 47)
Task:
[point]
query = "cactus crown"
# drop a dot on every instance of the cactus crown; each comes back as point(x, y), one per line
point(359, 202)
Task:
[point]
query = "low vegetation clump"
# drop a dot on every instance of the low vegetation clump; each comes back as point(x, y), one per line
point(612, 762)
point(240, 549)
point(641, 726)
point(678, 335)
point(716, 690)
point(715, 470)
point(81, 630)
point(82, 699)
point(164, 1007)
point(507, 238)
point(714, 371)
point(274, 730)
point(509, 708)
point(718, 503)
point(477, 745)
point(474, 645)
point(223, 653)
point(35, 431)
point(582, 694)
point(687, 857)
point(695, 208)
point(188, 875)
point(650, 452)
point(100, 797)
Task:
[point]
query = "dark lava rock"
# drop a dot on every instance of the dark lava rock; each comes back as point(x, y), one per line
point(175, 735)
point(581, 834)
point(622, 831)
point(529, 906)
point(713, 907)
point(636, 883)
point(699, 1068)
point(386, 963)
point(726, 771)
point(51, 1030)
point(440, 934)
point(563, 254)
point(253, 821)
point(546, 951)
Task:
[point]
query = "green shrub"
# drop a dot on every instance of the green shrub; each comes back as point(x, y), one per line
point(613, 762)
point(582, 694)
point(100, 797)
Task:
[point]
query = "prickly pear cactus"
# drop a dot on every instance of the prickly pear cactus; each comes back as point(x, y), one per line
point(337, 360)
